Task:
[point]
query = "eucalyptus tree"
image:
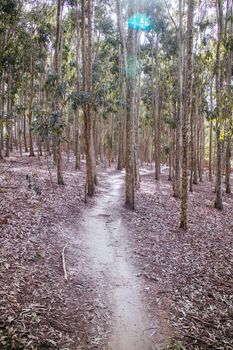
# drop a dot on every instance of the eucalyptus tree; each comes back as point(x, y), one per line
point(57, 113)
point(228, 39)
point(186, 114)
point(122, 84)
point(130, 98)
point(10, 12)
point(87, 28)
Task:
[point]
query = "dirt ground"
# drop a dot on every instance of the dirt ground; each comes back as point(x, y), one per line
point(187, 274)
point(179, 284)
point(39, 309)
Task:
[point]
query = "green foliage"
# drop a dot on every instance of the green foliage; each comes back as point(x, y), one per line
point(46, 124)
point(80, 99)
point(9, 7)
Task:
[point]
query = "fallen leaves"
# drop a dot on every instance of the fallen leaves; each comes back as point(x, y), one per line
point(189, 274)
point(38, 310)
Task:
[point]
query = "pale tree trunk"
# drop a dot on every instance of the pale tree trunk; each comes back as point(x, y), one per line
point(20, 128)
point(228, 165)
point(76, 113)
point(136, 123)
point(195, 143)
point(87, 87)
point(170, 174)
point(32, 72)
point(130, 130)
point(219, 83)
point(155, 106)
point(57, 68)
point(177, 179)
point(230, 117)
point(186, 115)
point(9, 114)
point(15, 136)
point(101, 136)
point(202, 146)
point(211, 132)
point(156, 113)
point(192, 147)
point(122, 86)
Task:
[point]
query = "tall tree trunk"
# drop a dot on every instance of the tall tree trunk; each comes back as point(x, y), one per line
point(228, 165)
point(219, 83)
point(20, 128)
point(177, 180)
point(192, 146)
point(130, 130)
point(57, 70)
point(202, 146)
point(136, 121)
point(25, 132)
point(9, 114)
point(170, 174)
point(211, 132)
point(32, 72)
point(76, 114)
point(186, 115)
point(156, 113)
point(122, 86)
point(230, 117)
point(87, 87)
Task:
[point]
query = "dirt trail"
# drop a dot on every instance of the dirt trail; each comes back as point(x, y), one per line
point(106, 243)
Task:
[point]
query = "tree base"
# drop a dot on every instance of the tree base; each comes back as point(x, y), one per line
point(218, 206)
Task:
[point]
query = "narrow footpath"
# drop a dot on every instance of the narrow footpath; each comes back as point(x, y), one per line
point(111, 261)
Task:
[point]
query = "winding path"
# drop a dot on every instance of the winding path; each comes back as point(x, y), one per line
point(106, 243)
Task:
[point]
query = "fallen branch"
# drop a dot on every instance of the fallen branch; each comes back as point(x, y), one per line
point(64, 262)
point(7, 168)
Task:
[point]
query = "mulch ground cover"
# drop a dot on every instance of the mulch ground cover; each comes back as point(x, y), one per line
point(187, 274)
point(38, 308)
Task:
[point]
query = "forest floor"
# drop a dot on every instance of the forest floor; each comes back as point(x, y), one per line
point(134, 279)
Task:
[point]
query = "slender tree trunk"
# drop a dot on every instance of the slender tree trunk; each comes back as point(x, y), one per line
point(228, 165)
point(136, 121)
point(76, 116)
point(130, 130)
point(155, 108)
point(195, 142)
point(186, 115)
point(218, 187)
point(170, 175)
point(230, 108)
point(177, 180)
point(20, 132)
point(25, 133)
point(192, 148)
point(211, 132)
point(32, 72)
point(9, 115)
point(57, 68)
point(202, 146)
point(87, 87)
point(122, 86)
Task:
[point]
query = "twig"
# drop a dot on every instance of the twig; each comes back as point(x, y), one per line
point(7, 168)
point(64, 262)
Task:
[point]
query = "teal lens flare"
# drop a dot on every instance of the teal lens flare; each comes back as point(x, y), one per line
point(139, 21)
